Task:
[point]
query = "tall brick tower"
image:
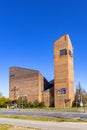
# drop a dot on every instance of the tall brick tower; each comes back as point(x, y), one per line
point(63, 72)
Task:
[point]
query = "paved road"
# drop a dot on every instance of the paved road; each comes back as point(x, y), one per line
point(45, 125)
point(43, 113)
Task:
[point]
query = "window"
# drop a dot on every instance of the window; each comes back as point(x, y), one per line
point(63, 52)
point(61, 91)
point(70, 53)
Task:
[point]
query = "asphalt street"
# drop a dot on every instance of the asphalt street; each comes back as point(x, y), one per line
point(44, 113)
point(44, 125)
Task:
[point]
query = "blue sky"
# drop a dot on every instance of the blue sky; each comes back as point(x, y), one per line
point(28, 29)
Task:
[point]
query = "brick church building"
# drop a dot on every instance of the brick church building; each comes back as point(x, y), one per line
point(34, 86)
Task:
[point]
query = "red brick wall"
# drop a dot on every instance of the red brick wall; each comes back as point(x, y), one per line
point(63, 72)
point(48, 97)
point(27, 82)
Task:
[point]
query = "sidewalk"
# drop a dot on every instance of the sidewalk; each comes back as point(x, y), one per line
point(44, 125)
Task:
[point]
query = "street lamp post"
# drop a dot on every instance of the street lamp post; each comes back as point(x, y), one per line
point(81, 103)
point(15, 89)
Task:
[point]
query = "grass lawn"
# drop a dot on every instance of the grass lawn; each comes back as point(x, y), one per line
point(10, 127)
point(42, 119)
point(73, 109)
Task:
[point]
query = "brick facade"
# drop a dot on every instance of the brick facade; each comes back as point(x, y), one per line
point(48, 97)
point(25, 82)
point(63, 72)
point(32, 84)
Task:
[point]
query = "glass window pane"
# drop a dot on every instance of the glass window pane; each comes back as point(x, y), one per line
point(63, 52)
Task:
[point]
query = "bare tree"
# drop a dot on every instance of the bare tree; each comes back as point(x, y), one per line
point(80, 95)
point(0, 94)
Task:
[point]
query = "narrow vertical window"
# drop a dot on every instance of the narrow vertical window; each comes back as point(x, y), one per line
point(70, 53)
